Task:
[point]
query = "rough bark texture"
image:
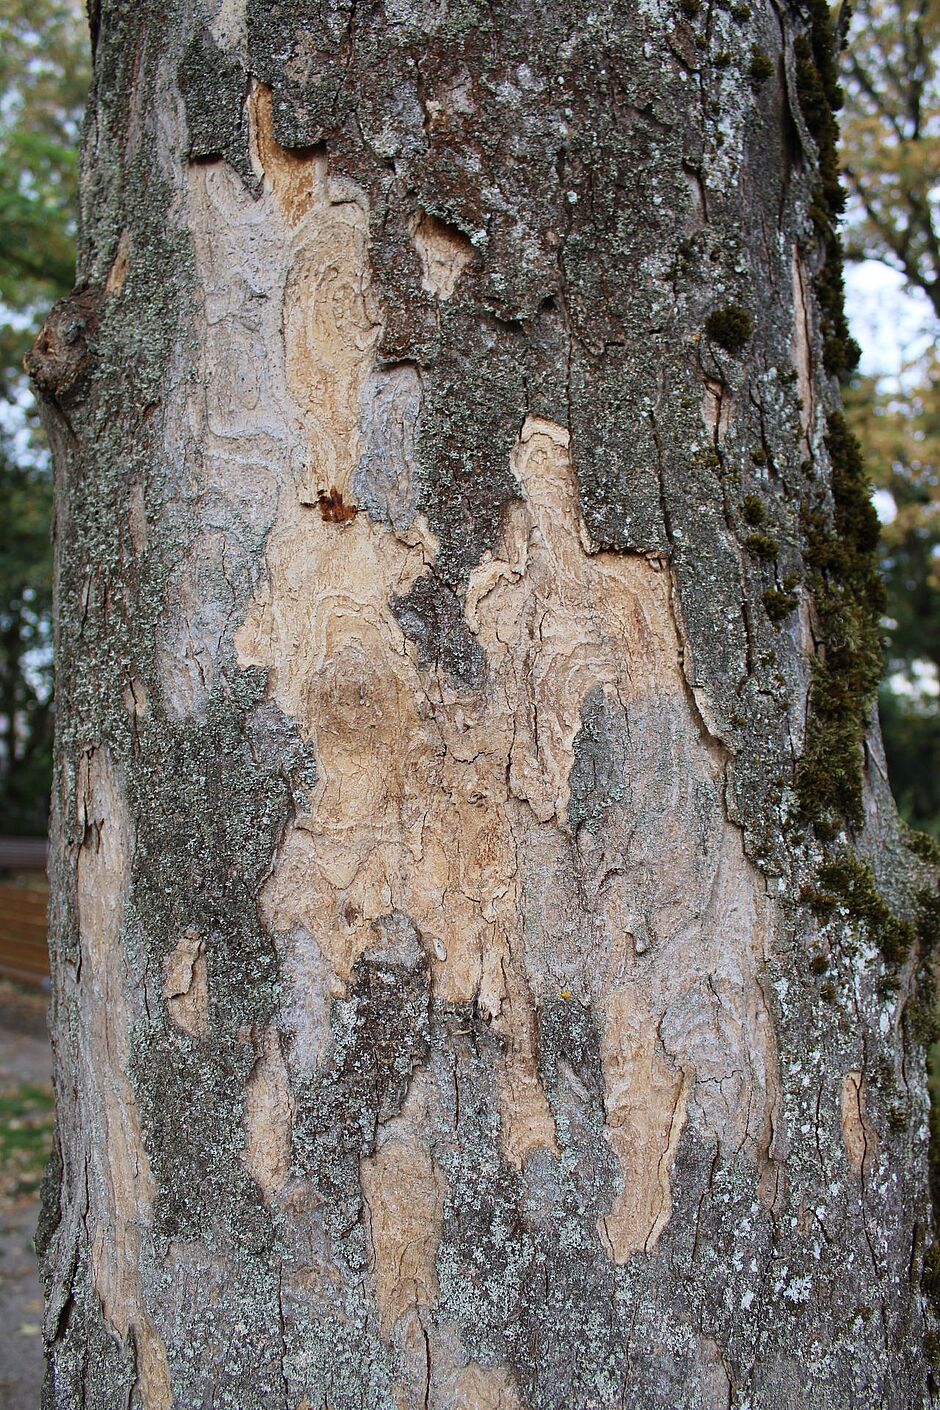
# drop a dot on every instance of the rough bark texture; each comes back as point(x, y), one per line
point(464, 996)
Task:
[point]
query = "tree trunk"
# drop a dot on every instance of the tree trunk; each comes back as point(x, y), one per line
point(470, 986)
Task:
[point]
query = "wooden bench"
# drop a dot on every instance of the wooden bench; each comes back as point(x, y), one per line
point(24, 898)
point(24, 952)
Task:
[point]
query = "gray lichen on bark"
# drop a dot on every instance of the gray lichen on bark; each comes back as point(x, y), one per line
point(423, 815)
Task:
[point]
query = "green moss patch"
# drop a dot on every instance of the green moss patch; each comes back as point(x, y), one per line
point(820, 98)
point(849, 884)
point(779, 604)
point(849, 596)
point(762, 68)
point(762, 546)
point(753, 511)
point(731, 328)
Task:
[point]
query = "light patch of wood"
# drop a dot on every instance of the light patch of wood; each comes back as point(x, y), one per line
point(413, 812)
point(269, 1114)
point(646, 1104)
point(136, 701)
point(716, 408)
point(527, 1121)
point(120, 1186)
point(802, 350)
point(858, 1134)
point(483, 1388)
point(435, 1371)
point(445, 253)
point(228, 23)
point(716, 1383)
point(186, 985)
point(120, 265)
point(679, 928)
point(453, 805)
point(404, 1192)
point(137, 516)
point(330, 332)
point(294, 177)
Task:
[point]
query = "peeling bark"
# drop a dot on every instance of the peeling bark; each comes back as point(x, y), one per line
point(449, 1012)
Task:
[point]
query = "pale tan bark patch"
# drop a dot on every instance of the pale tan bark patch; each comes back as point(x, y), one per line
point(647, 1102)
point(136, 701)
point(186, 985)
point(445, 253)
point(412, 810)
point(404, 1191)
point(716, 1383)
point(137, 516)
point(484, 1388)
point(859, 1136)
point(120, 1186)
point(802, 349)
point(292, 176)
point(120, 266)
point(716, 408)
point(452, 805)
point(228, 23)
point(269, 1113)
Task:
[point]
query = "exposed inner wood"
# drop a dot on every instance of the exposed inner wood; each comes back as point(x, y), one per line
point(454, 805)
point(404, 1191)
point(268, 1116)
point(444, 252)
point(186, 985)
point(802, 349)
point(858, 1134)
point(119, 1183)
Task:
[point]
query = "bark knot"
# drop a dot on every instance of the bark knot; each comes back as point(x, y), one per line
point(61, 357)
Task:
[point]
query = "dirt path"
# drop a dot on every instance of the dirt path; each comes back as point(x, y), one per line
point(25, 1094)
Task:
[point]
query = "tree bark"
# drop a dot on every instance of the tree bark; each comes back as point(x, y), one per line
point(467, 983)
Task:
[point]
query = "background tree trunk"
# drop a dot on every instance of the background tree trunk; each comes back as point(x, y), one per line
point(466, 992)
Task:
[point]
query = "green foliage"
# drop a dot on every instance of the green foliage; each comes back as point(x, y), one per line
point(912, 747)
point(762, 67)
point(901, 433)
point(25, 644)
point(44, 78)
point(891, 147)
point(753, 511)
point(762, 546)
point(891, 137)
point(26, 1124)
point(44, 72)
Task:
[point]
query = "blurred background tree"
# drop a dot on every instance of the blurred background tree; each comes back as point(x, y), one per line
point(44, 75)
point(891, 155)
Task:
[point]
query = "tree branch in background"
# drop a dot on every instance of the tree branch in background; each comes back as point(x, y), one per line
point(891, 138)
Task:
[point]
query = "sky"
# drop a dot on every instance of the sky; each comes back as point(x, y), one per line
point(893, 325)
